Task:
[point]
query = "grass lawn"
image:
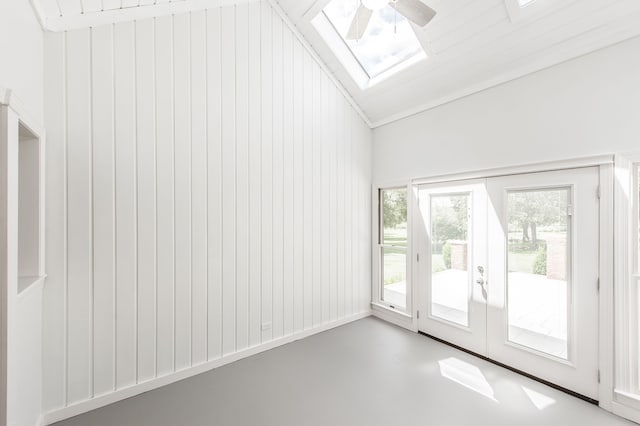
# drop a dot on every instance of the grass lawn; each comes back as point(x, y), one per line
point(395, 258)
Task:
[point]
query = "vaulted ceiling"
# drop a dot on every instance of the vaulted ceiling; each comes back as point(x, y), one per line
point(471, 44)
point(475, 44)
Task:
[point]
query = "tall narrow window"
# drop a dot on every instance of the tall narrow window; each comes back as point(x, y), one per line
point(392, 240)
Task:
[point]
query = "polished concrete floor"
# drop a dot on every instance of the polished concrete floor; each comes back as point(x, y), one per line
point(364, 373)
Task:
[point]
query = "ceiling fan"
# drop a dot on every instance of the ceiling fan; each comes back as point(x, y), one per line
point(414, 10)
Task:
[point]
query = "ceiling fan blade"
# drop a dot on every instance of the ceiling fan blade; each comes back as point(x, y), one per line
point(415, 11)
point(359, 23)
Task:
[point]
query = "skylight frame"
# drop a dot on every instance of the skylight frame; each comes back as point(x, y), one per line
point(346, 45)
point(339, 46)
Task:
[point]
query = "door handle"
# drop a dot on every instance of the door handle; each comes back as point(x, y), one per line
point(480, 281)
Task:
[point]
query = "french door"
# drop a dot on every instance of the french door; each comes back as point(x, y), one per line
point(508, 268)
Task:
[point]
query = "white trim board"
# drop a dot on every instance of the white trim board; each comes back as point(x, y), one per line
point(8, 98)
point(119, 395)
point(546, 166)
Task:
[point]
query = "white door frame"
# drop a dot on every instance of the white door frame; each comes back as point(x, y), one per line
point(473, 336)
point(606, 302)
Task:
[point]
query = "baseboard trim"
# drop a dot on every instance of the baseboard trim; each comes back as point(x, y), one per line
point(121, 394)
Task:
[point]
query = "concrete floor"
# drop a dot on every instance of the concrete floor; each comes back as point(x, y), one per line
point(364, 373)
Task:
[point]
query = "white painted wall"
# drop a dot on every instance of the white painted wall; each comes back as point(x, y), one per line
point(25, 359)
point(21, 50)
point(587, 106)
point(207, 193)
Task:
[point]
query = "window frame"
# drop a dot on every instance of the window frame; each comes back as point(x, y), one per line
point(626, 399)
point(328, 35)
point(378, 255)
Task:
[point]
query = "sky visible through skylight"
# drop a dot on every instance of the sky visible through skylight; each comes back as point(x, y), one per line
point(388, 41)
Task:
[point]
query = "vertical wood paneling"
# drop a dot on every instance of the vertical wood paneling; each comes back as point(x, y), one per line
point(297, 188)
point(218, 196)
point(339, 211)
point(332, 117)
point(199, 187)
point(165, 193)
point(317, 189)
point(267, 171)
point(309, 173)
point(278, 178)
point(255, 176)
point(103, 209)
point(348, 188)
point(287, 169)
point(242, 176)
point(365, 236)
point(146, 192)
point(354, 218)
point(325, 140)
point(182, 158)
point(125, 131)
point(214, 173)
point(228, 24)
point(54, 366)
point(79, 175)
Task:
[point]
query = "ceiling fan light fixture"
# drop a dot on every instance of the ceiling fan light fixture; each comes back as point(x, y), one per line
point(375, 4)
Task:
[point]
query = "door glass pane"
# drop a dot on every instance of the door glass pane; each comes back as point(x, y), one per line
point(394, 217)
point(395, 276)
point(538, 269)
point(450, 255)
point(394, 246)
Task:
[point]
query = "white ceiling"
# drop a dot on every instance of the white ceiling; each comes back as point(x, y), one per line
point(475, 44)
point(472, 44)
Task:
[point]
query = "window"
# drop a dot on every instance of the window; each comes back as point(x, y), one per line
point(539, 272)
point(389, 39)
point(627, 282)
point(392, 242)
point(450, 257)
point(524, 3)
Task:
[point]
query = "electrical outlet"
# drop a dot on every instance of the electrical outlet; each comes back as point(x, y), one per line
point(266, 326)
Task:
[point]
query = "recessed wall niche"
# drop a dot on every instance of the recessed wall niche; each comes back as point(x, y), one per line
point(29, 209)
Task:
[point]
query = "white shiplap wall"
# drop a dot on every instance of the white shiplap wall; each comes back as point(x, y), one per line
point(206, 179)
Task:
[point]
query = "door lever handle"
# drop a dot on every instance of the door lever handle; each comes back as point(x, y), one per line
point(480, 281)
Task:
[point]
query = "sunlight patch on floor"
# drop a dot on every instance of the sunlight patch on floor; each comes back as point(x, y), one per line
point(467, 375)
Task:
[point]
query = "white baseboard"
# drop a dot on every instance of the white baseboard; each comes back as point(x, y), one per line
point(121, 394)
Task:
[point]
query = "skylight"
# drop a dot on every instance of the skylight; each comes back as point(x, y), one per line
point(388, 41)
point(524, 3)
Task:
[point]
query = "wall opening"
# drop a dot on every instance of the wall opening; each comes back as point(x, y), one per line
point(28, 208)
